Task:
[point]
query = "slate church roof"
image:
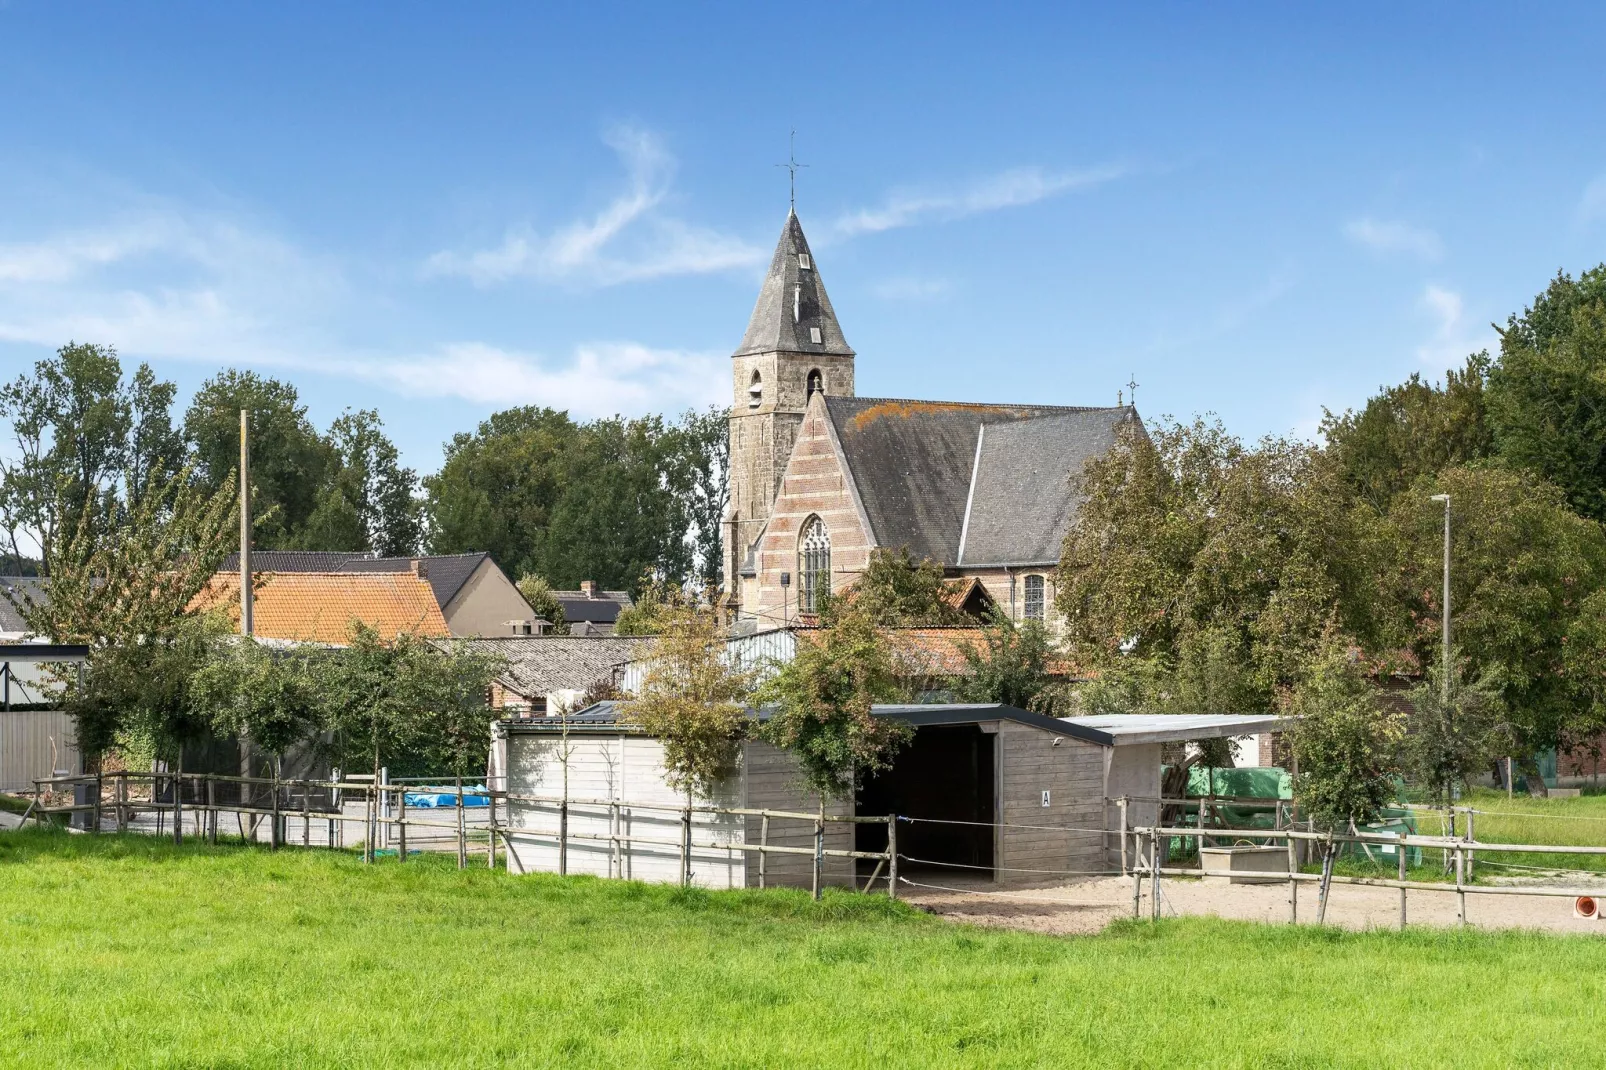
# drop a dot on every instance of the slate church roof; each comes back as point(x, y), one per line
point(793, 314)
point(970, 485)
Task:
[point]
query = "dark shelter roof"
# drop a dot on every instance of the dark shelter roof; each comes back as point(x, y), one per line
point(927, 474)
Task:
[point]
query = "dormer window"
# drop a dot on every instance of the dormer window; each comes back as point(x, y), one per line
point(803, 261)
point(814, 335)
point(816, 380)
point(755, 392)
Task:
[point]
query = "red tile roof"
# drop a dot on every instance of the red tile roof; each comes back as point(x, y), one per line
point(321, 607)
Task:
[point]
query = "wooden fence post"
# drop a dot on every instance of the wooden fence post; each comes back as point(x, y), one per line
point(1293, 885)
point(616, 857)
point(178, 807)
point(1401, 849)
point(211, 806)
point(1460, 887)
point(401, 823)
point(1125, 799)
point(1472, 856)
point(1154, 874)
point(273, 831)
point(100, 786)
point(490, 840)
point(306, 813)
point(462, 833)
point(563, 837)
point(1137, 877)
point(763, 847)
point(685, 846)
point(819, 854)
point(892, 855)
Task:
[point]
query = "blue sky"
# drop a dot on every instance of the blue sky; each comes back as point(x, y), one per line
point(1255, 210)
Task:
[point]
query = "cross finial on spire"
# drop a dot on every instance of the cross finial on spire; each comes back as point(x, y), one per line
point(791, 166)
point(1132, 385)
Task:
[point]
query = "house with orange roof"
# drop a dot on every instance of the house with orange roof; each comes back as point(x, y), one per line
point(322, 607)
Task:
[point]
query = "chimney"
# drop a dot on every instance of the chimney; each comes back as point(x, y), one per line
point(588, 588)
point(419, 568)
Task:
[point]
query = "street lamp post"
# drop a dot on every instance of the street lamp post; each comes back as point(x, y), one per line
point(1444, 684)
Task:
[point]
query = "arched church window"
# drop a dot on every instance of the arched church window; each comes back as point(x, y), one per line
point(816, 383)
point(813, 565)
point(1034, 598)
point(755, 392)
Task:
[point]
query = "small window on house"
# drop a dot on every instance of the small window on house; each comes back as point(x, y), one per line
point(1034, 598)
point(803, 261)
point(538, 706)
point(816, 380)
point(813, 565)
point(814, 335)
point(755, 392)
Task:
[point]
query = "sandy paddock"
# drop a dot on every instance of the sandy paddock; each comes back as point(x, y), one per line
point(1089, 905)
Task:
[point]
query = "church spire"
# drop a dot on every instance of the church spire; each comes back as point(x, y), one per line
point(793, 313)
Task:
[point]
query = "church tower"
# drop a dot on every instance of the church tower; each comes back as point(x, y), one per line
point(793, 348)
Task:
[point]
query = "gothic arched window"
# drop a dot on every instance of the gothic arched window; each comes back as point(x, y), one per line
point(813, 565)
point(1034, 598)
point(816, 384)
point(755, 392)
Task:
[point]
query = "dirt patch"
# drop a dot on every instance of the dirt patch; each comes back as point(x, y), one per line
point(1088, 906)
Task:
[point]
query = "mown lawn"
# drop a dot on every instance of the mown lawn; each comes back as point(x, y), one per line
point(125, 951)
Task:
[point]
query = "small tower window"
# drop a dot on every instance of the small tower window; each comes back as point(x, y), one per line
point(816, 380)
point(803, 261)
point(797, 303)
point(814, 335)
point(813, 565)
point(1034, 598)
point(755, 392)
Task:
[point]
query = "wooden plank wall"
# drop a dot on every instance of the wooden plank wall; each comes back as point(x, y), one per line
point(34, 743)
point(1073, 775)
point(774, 782)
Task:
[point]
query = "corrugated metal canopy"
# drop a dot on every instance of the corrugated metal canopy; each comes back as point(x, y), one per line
point(1131, 728)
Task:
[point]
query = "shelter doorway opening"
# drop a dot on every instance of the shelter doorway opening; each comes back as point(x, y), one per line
point(945, 779)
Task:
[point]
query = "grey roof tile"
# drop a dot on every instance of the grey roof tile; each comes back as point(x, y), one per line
point(912, 463)
point(791, 302)
point(539, 664)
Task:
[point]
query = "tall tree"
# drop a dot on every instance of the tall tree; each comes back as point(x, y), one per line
point(80, 433)
point(698, 466)
point(290, 461)
point(1547, 393)
point(1411, 430)
point(1197, 550)
point(369, 501)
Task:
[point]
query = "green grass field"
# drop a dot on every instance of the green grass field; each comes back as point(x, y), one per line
point(125, 951)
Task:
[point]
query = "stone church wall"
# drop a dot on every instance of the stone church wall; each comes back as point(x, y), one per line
point(813, 485)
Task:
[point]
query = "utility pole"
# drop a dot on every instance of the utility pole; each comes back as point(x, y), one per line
point(245, 523)
point(1444, 684)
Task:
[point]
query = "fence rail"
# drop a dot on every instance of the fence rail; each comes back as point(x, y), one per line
point(205, 806)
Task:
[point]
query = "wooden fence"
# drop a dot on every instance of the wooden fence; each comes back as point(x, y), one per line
point(199, 794)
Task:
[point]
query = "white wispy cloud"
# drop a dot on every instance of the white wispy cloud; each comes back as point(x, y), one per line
point(1592, 205)
point(597, 379)
point(1007, 189)
point(628, 240)
point(1454, 335)
point(911, 288)
point(1393, 236)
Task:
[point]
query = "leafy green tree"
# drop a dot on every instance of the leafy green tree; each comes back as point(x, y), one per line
point(1522, 568)
point(80, 433)
point(1547, 392)
point(1450, 742)
point(1347, 745)
point(290, 462)
point(538, 592)
point(822, 702)
point(1191, 547)
point(660, 602)
point(1409, 431)
point(369, 501)
point(268, 696)
point(610, 500)
point(693, 699)
point(698, 455)
point(896, 591)
point(1010, 666)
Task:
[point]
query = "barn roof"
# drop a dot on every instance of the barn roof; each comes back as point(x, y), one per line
point(967, 484)
point(1133, 728)
point(320, 607)
point(540, 664)
point(446, 573)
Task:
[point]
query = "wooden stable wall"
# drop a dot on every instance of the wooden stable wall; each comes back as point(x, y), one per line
point(628, 768)
point(35, 743)
point(1072, 773)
